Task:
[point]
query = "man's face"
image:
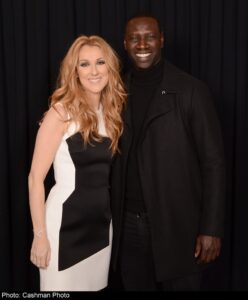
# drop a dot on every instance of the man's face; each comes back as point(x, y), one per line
point(143, 41)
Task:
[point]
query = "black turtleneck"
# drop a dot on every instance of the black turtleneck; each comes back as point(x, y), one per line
point(143, 85)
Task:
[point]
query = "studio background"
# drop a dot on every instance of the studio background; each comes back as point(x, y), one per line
point(208, 39)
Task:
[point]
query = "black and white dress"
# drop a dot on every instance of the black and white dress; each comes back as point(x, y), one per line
point(78, 216)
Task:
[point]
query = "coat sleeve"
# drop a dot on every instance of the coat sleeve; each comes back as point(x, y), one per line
point(208, 141)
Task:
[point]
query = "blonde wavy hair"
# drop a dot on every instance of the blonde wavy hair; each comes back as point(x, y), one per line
point(70, 93)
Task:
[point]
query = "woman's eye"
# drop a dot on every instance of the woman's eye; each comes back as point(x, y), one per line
point(84, 64)
point(101, 62)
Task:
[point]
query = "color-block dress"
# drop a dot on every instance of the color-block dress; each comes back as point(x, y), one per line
point(78, 216)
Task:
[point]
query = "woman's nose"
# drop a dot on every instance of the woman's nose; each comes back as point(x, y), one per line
point(94, 70)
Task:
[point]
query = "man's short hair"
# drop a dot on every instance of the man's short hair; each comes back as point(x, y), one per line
point(145, 15)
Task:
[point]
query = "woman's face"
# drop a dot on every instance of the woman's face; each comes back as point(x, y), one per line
point(92, 70)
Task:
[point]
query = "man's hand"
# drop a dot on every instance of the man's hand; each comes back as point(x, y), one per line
point(207, 248)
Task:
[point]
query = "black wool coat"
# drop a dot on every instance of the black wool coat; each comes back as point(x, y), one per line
point(181, 164)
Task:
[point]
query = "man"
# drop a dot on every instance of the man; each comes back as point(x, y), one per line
point(168, 182)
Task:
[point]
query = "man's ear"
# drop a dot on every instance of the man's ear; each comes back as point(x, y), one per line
point(162, 40)
point(125, 44)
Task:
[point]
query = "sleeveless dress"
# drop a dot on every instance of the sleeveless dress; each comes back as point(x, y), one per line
point(78, 216)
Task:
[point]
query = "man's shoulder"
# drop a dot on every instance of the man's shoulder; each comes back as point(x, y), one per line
point(177, 78)
point(178, 73)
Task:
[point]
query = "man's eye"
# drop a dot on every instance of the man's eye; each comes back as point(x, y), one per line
point(133, 39)
point(151, 37)
point(84, 64)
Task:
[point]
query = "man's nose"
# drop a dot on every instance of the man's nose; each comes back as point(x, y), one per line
point(142, 43)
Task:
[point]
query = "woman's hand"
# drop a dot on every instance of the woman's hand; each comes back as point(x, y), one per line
point(40, 252)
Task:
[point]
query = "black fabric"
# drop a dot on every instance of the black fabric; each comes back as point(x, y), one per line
point(137, 265)
point(182, 171)
point(191, 283)
point(209, 39)
point(142, 88)
point(86, 213)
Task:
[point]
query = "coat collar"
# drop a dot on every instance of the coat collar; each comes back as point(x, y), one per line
point(160, 104)
point(169, 82)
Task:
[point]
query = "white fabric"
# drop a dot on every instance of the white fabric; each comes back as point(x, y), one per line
point(90, 274)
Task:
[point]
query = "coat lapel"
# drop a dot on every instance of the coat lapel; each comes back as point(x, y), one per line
point(161, 102)
point(159, 106)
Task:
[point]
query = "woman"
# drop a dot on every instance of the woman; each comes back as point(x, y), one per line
point(79, 135)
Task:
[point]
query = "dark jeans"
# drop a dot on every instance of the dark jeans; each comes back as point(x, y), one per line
point(136, 261)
